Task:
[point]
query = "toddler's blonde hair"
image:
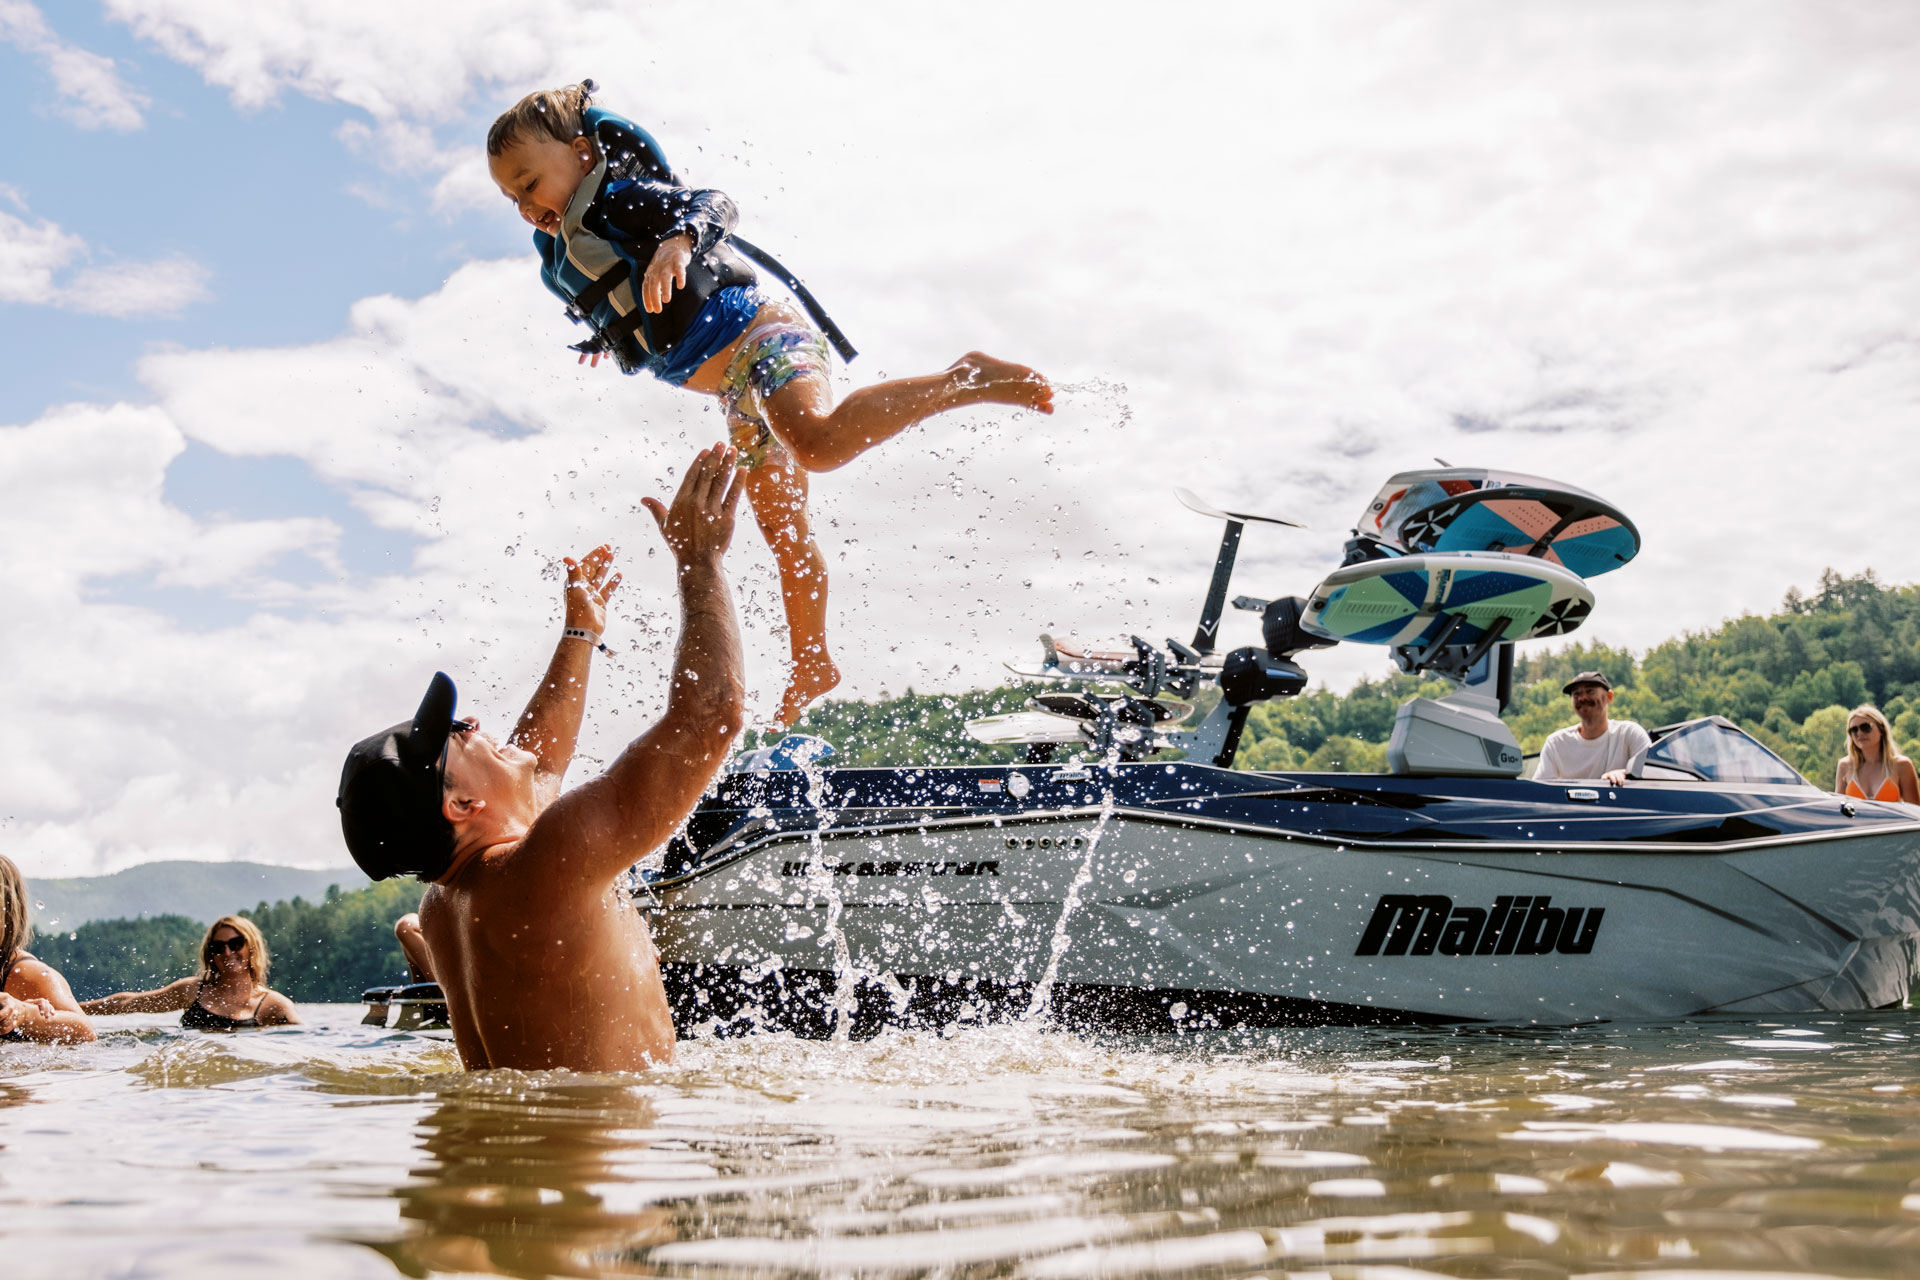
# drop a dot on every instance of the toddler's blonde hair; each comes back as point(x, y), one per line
point(559, 114)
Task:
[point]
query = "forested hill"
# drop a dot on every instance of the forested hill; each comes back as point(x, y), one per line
point(202, 891)
point(1788, 678)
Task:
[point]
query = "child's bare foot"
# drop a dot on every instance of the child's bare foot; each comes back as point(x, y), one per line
point(813, 676)
point(981, 378)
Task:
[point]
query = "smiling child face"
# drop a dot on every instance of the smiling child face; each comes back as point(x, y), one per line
point(540, 174)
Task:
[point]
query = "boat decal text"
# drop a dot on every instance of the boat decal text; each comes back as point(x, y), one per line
point(804, 868)
point(1409, 924)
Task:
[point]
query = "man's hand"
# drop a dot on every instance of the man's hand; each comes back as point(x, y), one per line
point(589, 588)
point(1614, 777)
point(699, 524)
point(667, 272)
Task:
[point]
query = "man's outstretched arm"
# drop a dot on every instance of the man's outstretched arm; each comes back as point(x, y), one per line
point(618, 818)
point(550, 726)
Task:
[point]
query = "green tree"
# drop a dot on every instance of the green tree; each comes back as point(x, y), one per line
point(105, 956)
point(321, 952)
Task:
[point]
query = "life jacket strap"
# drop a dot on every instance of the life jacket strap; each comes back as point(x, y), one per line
point(581, 312)
point(817, 312)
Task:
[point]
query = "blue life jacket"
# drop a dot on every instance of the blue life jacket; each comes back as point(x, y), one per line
point(597, 272)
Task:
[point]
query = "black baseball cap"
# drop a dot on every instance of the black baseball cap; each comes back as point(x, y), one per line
point(390, 793)
point(1587, 677)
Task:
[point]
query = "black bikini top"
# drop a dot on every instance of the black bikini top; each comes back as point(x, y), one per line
point(200, 1018)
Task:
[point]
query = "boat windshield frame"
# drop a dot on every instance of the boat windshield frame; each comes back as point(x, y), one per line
point(1733, 764)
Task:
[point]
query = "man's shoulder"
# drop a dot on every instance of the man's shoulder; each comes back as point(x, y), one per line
point(1561, 735)
point(1629, 729)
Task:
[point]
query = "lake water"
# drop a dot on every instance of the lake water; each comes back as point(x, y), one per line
point(1712, 1147)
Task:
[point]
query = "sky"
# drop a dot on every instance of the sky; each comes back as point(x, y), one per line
point(287, 422)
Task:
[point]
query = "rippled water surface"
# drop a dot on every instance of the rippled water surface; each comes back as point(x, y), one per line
point(1710, 1147)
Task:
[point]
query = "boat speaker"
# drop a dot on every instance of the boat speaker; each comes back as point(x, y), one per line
point(1280, 628)
point(1252, 675)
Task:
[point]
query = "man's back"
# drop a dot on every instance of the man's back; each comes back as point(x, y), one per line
point(540, 975)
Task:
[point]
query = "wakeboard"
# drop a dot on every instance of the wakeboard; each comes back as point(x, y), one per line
point(1476, 509)
point(1447, 598)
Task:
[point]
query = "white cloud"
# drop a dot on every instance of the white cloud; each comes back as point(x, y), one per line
point(1662, 253)
point(92, 95)
point(30, 255)
point(160, 287)
point(34, 257)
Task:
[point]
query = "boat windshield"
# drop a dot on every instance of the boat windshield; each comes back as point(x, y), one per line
point(1713, 750)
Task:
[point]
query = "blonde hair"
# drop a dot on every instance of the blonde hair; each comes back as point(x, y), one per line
point(256, 948)
point(559, 114)
point(16, 926)
point(1889, 753)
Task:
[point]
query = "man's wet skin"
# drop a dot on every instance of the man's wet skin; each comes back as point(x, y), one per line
point(544, 962)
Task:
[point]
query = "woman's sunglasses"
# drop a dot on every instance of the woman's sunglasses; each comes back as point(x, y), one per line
point(235, 943)
point(1865, 726)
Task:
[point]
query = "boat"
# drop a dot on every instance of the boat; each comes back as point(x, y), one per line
point(1143, 884)
point(1152, 887)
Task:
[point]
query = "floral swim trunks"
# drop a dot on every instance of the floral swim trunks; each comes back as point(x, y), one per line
point(770, 356)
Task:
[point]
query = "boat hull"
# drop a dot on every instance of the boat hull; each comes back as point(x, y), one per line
point(1137, 918)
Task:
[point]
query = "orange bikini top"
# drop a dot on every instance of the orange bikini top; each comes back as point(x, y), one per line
point(1889, 790)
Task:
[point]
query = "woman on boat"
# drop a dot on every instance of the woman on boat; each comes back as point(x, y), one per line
point(35, 1001)
point(229, 994)
point(1873, 768)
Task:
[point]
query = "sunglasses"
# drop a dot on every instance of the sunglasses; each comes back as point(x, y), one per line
point(235, 943)
point(1864, 726)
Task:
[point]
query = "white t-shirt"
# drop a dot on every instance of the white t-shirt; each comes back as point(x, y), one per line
point(1566, 754)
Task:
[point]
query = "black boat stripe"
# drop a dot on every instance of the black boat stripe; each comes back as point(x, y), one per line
point(1152, 817)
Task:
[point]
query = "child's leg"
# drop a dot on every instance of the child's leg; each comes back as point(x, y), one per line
point(777, 490)
point(822, 437)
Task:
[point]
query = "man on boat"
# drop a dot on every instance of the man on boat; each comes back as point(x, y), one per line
point(543, 960)
point(1596, 747)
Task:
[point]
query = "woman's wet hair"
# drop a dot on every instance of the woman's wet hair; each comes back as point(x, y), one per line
point(16, 926)
point(559, 114)
point(1888, 751)
point(256, 948)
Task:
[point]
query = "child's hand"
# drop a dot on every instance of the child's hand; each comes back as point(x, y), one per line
point(667, 272)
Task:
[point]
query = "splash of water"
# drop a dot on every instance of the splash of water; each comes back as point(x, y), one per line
point(845, 977)
point(1040, 1007)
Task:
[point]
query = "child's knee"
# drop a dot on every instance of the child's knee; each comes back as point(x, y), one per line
point(407, 927)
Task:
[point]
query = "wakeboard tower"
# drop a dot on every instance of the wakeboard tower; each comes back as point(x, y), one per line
point(1143, 883)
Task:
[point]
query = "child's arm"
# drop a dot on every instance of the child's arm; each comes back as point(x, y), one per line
point(682, 224)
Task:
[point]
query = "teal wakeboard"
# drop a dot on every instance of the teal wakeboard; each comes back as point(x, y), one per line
point(1416, 599)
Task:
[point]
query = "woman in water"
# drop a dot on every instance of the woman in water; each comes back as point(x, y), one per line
point(35, 1001)
point(1873, 768)
point(651, 267)
point(229, 994)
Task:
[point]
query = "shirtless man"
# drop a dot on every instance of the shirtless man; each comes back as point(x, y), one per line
point(544, 962)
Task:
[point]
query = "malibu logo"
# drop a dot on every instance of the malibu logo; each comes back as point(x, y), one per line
point(1408, 924)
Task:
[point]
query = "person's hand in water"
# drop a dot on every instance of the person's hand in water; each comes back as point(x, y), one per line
point(699, 524)
point(667, 272)
point(589, 588)
point(14, 1012)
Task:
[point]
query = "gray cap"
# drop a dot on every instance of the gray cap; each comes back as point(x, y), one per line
point(1587, 677)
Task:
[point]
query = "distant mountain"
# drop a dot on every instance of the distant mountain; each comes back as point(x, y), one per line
point(202, 891)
